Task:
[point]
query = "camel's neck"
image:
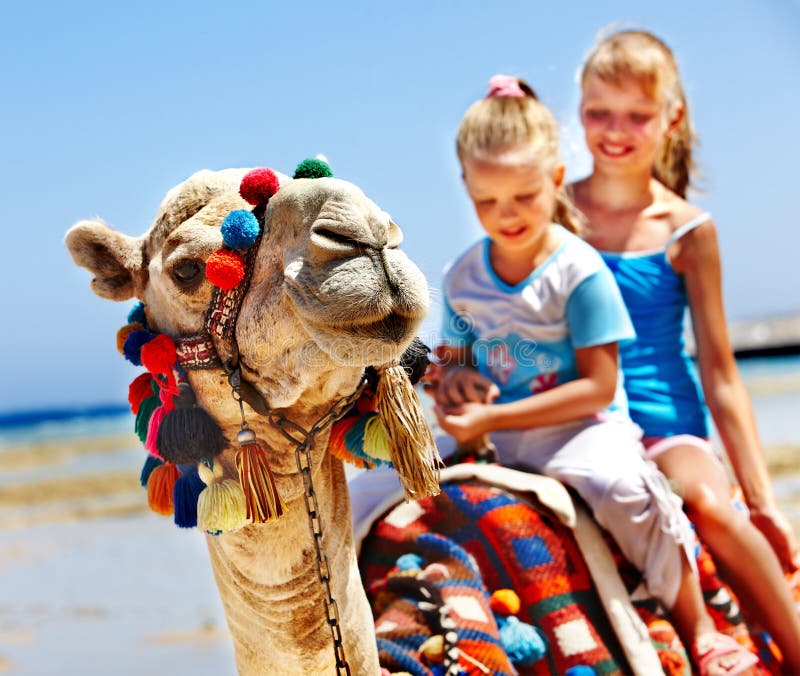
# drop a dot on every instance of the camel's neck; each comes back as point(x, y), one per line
point(268, 576)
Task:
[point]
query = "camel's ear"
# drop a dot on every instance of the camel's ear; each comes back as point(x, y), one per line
point(114, 259)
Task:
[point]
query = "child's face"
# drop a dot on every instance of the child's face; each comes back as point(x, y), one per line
point(514, 200)
point(623, 125)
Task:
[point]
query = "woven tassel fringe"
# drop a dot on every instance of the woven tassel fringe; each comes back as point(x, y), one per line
point(411, 445)
point(258, 483)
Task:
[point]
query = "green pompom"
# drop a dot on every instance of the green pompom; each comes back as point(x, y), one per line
point(313, 168)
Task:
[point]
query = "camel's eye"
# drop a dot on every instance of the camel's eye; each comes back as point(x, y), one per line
point(187, 271)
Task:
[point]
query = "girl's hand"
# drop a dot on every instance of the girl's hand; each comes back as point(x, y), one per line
point(463, 384)
point(465, 421)
point(776, 528)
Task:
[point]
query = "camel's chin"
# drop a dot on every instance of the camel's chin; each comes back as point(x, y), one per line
point(365, 344)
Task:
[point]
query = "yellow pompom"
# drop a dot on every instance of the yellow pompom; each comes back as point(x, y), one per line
point(505, 602)
point(433, 649)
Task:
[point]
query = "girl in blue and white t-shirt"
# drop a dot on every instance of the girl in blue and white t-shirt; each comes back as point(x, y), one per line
point(532, 322)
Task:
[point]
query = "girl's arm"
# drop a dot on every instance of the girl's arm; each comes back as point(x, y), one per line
point(591, 392)
point(698, 261)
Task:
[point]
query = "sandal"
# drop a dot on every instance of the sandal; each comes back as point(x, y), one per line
point(714, 645)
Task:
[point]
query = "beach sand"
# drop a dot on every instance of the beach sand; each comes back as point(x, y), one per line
point(94, 583)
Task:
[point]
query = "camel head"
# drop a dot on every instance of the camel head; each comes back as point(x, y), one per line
point(271, 296)
point(330, 291)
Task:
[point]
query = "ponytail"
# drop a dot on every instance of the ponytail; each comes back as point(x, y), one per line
point(567, 214)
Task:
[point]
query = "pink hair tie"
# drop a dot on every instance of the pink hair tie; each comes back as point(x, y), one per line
point(505, 86)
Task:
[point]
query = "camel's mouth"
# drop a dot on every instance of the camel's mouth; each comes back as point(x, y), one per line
point(364, 343)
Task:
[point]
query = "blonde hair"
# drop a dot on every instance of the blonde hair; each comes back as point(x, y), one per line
point(498, 124)
point(645, 58)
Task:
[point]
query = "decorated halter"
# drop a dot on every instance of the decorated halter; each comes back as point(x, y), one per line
point(381, 423)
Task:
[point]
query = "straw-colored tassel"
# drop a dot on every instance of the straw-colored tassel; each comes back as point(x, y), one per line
point(412, 448)
point(258, 482)
point(221, 505)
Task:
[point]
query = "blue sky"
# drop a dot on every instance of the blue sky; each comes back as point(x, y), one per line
point(108, 105)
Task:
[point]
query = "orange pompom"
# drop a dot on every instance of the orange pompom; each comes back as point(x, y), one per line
point(505, 602)
point(225, 269)
point(161, 488)
point(124, 332)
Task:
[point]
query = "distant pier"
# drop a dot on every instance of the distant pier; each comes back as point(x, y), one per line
point(761, 337)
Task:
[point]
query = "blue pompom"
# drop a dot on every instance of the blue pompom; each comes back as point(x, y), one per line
point(149, 465)
point(410, 562)
point(240, 229)
point(187, 490)
point(137, 315)
point(580, 670)
point(132, 348)
point(523, 643)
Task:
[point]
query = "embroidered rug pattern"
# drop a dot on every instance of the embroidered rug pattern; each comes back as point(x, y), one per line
point(517, 546)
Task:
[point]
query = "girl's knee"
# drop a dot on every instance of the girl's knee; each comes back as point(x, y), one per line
point(706, 506)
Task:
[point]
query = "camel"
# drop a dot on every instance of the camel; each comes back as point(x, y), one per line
point(330, 294)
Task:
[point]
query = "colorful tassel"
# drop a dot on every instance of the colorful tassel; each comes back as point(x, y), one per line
point(146, 408)
point(221, 506)
point(161, 488)
point(187, 491)
point(149, 465)
point(124, 332)
point(257, 480)
point(523, 643)
point(187, 435)
point(412, 448)
point(225, 269)
point(415, 360)
point(258, 186)
point(159, 355)
point(313, 168)
point(139, 390)
point(376, 441)
point(132, 347)
point(240, 229)
point(505, 602)
point(137, 315)
point(152, 430)
point(336, 442)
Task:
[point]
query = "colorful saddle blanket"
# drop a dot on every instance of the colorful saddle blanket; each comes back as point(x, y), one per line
point(474, 539)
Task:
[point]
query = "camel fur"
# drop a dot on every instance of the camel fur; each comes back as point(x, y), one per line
point(330, 294)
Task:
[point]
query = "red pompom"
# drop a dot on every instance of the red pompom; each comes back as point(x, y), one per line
point(225, 269)
point(259, 185)
point(139, 390)
point(159, 355)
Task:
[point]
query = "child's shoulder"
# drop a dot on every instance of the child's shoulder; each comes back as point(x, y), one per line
point(471, 256)
point(576, 258)
point(678, 212)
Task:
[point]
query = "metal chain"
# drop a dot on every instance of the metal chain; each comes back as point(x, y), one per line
point(302, 454)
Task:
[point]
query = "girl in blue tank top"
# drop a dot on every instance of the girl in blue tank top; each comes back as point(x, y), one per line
point(663, 253)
